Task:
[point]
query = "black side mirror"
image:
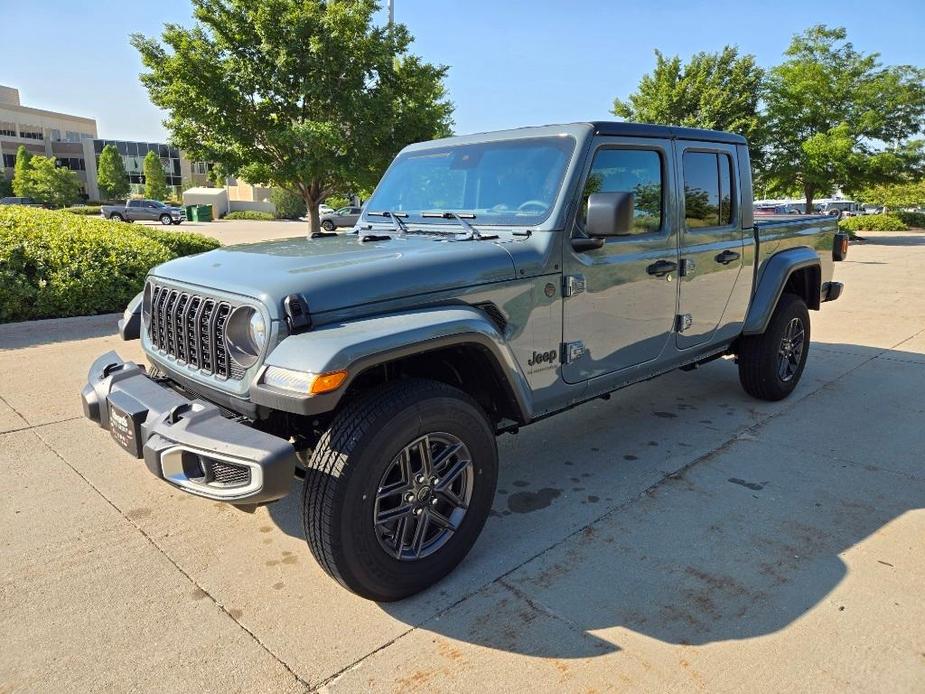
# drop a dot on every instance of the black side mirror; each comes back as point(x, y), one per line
point(610, 214)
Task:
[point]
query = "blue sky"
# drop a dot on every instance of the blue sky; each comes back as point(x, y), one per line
point(512, 62)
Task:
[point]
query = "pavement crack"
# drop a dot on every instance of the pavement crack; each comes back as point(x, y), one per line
point(170, 559)
point(31, 427)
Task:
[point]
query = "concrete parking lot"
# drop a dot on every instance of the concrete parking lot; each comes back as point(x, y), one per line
point(678, 537)
point(231, 231)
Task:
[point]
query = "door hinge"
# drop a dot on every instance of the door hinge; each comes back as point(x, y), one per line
point(686, 268)
point(572, 285)
point(572, 352)
point(683, 322)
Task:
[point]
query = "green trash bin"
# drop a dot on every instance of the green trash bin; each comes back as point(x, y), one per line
point(203, 213)
point(191, 213)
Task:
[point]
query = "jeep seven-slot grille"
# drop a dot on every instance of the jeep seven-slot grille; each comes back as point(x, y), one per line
point(191, 329)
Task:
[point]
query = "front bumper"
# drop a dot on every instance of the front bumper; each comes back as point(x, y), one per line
point(188, 443)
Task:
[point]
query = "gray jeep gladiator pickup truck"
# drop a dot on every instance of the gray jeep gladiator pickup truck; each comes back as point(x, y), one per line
point(492, 280)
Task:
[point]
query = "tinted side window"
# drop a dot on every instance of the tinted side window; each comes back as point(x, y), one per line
point(708, 198)
point(701, 189)
point(636, 171)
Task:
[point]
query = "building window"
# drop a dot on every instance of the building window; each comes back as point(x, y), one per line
point(55, 135)
point(9, 161)
point(31, 132)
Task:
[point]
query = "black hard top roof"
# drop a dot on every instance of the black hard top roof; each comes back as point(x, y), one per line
point(666, 131)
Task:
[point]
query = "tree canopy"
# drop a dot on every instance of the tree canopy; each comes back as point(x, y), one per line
point(40, 178)
point(111, 176)
point(306, 95)
point(155, 179)
point(837, 118)
point(717, 91)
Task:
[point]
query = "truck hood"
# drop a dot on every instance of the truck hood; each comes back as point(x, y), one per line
point(339, 272)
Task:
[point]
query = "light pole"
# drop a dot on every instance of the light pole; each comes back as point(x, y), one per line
point(391, 12)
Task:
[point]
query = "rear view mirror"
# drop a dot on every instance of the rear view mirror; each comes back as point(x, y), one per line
point(610, 214)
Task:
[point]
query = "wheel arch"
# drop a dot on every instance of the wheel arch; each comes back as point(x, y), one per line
point(457, 345)
point(796, 271)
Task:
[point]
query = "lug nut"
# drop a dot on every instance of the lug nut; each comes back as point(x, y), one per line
point(435, 481)
point(417, 512)
point(433, 502)
point(409, 497)
point(420, 479)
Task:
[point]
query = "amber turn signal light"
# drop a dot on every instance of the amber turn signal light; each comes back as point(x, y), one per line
point(325, 383)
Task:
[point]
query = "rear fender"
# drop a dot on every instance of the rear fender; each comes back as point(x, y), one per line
point(771, 280)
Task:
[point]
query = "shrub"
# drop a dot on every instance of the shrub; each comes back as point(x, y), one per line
point(255, 215)
point(55, 264)
point(912, 219)
point(288, 205)
point(872, 222)
point(90, 210)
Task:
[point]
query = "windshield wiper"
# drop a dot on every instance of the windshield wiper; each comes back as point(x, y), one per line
point(397, 224)
point(474, 234)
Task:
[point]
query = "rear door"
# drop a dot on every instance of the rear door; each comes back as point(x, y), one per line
point(621, 299)
point(711, 238)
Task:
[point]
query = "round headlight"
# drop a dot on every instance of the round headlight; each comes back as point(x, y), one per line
point(258, 331)
point(245, 335)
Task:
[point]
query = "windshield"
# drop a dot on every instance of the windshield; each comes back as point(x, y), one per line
point(501, 183)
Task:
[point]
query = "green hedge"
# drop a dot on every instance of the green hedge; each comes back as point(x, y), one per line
point(255, 215)
point(872, 222)
point(912, 219)
point(89, 210)
point(55, 264)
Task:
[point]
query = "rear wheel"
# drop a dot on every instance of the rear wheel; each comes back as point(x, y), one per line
point(399, 487)
point(328, 225)
point(771, 364)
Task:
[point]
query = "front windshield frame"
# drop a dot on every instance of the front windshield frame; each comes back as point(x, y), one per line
point(565, 143)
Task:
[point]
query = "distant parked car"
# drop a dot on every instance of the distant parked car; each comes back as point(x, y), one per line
point(28, 202)
point(324, 209)
point(344, 217)
point(139, 210)
point(775, 209)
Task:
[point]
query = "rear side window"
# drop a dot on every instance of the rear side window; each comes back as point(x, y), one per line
point(707, 189)
point(636, 171)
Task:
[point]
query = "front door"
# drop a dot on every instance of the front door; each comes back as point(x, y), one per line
point(621, 299)
point(711, 238)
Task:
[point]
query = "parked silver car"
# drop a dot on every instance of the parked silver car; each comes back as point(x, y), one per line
point(344, 217)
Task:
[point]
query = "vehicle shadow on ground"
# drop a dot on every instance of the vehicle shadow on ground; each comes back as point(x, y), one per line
point(740, 545)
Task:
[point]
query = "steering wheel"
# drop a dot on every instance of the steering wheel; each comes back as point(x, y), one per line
point(533, 203)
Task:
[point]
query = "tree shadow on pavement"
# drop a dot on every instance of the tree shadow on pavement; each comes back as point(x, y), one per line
point(739, 544)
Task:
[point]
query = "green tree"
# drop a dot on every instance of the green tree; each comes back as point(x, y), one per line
point(155, 179)
point(288, 205)
point(837, 118)
point(305, 95)
point(21, 179)
point(53, 185)
point(895, 196)
point(111, 176)
point(217, 175)
point(718, 91)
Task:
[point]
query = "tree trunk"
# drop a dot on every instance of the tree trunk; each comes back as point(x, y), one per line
point(809, 191)
point(311, 210)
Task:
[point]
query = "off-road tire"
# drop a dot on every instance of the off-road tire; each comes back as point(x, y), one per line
point(758, 354)
point(344, 471)
point(165, 219)
point(328, 225)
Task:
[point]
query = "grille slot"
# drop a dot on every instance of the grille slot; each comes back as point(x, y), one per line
point(191, 329)
point(227, 474)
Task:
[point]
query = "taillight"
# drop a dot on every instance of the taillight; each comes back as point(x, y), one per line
point(840, 246)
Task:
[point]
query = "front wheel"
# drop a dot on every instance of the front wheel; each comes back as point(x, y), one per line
point(165, 219)
point(398, 489)
point(771, 364)
point(116, 217)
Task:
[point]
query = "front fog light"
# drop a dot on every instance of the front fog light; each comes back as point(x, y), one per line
point(303, 382)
